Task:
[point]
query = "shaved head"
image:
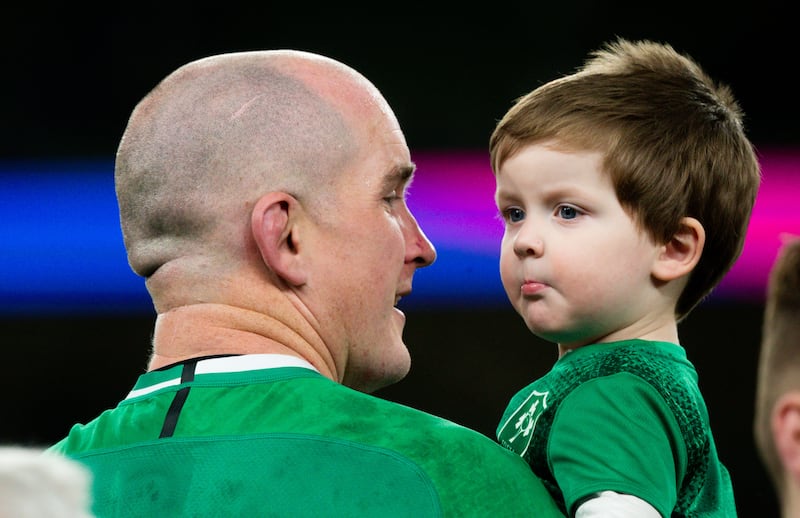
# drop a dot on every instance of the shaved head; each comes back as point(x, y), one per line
point(218, 133)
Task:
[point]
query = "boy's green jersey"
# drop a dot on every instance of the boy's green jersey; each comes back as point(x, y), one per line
point(266, 435)
point(625, 416)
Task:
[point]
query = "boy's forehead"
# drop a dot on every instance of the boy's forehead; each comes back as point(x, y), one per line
point(552, 147)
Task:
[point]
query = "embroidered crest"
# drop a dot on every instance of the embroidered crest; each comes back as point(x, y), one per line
point(517, 432)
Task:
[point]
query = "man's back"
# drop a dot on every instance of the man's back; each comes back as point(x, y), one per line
point(267, 435)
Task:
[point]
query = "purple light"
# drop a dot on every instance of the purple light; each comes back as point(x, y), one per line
point(452, 198)
point(61, 249)
point(776, 216)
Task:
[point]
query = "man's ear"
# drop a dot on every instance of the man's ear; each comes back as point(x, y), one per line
point(273, 223)
point(786, 432)
point(682, 252)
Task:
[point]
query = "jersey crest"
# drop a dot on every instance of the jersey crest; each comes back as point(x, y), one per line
point(517, 432)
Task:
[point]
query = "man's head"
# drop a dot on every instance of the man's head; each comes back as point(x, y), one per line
point(672, 140)
point(209, 140)
point(251, 179)
point(777, 413)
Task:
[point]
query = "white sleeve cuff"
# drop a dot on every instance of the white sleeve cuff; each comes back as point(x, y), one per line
point(610, 504)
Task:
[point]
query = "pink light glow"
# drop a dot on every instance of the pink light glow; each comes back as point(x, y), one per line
point(452, 197)
point(776, 216)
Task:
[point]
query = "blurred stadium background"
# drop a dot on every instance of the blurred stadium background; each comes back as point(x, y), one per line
point(76, 322)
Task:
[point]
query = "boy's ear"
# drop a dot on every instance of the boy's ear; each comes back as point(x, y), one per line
point(273, 223)
point(786, 432)
point(682, 252)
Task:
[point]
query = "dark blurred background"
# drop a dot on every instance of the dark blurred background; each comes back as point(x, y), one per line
point(72, 74)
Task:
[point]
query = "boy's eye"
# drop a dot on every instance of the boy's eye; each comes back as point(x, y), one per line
point(567, 212)
point(514, 214)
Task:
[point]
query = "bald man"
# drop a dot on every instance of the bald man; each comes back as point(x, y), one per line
point(262, 196)
point(777, 417)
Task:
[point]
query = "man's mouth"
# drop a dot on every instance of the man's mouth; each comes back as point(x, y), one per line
point(400, 294)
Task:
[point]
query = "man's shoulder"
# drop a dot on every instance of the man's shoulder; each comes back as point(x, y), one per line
point(397, 426)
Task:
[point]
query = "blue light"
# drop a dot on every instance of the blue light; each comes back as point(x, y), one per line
point(60, 244)
point(61, 250)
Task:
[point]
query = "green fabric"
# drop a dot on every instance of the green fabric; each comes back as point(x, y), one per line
point(625, 416)
point(630, 424)
point(290, 442)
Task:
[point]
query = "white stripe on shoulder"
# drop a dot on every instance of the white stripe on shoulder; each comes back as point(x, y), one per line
point(250, 362)
point(152, 388)
point(245, 362)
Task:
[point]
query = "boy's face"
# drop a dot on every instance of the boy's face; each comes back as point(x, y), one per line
point(574, 264)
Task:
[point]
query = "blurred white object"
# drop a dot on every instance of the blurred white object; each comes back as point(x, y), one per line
point(39, 484)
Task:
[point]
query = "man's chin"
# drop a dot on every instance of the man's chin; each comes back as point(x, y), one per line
point(390, 371)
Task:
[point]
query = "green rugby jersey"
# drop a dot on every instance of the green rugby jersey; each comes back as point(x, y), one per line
point(267, 435)
point(625, 416)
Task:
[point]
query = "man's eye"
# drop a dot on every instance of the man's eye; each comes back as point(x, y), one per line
point(567, 212)
point(393, 196)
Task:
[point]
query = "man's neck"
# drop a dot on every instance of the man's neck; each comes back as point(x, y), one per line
point(213, 329)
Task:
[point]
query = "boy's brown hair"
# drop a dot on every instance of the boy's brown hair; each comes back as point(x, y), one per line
point(673, 142)
point(779, 362)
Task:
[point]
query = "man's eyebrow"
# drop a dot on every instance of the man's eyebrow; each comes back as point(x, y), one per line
point(403, 174)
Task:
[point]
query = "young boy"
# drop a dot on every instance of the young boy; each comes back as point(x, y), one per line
point(626, 189)
point(777, 417)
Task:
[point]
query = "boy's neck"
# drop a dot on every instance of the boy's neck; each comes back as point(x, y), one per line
point(665, 331)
